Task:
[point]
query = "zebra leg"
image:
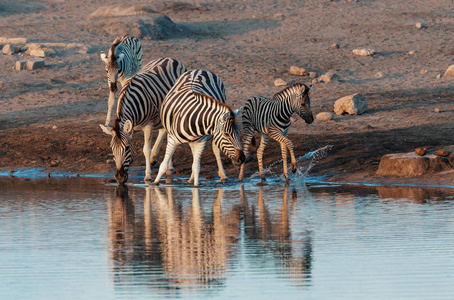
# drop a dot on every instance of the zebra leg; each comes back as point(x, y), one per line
point(284, 160)
point(217, 153)
point(146, 150)
point(110, 104)
point(170, 150)
point(281, 138)
point(263, 141)
point(157, 145)
point(247, 138)
point(197, 149)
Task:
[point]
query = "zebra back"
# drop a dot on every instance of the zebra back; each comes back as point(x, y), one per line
point(192, 104)
point(141, 97)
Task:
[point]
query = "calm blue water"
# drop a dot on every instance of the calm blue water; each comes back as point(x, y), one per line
point(80, 238)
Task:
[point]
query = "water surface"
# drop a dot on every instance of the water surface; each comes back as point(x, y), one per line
point(80, 238)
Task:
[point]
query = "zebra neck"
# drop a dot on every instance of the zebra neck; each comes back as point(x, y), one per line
point(285, 108)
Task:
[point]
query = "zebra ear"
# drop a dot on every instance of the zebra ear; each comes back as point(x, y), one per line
point(120, 56)
point(127, 127)
point(107, 130)
point(103, 57)
point(238, 111)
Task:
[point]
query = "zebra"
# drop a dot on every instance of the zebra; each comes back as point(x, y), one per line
point(194, 111)
point(271, 118)
point(122, 62)
point(138, 109)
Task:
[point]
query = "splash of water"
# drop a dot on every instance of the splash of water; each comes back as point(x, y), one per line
point(304, 165)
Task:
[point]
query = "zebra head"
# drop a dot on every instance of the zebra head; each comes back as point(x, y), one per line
point(113, 64)
point(122, 149)
point(302, 104)
point(227, 136)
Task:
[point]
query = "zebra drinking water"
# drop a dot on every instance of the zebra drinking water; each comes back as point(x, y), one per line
point(138, 108)
point(194, 112)
point(122, 62)
point(271, 118)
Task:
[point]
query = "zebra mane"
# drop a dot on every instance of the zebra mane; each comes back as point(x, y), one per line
point(115, 43)
point(291, 89)
point(218, 102)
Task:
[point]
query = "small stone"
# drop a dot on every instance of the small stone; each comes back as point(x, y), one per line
point(335, 46)
point(412, 52)
point(364, 52)
point(324, 116)
point(328, 77)
point(423, 71)
point(379, 75)
point(437, 110)
point(439, 76)
point(34, 64)
point(298, 71)
point(11, 49)
point(54, 127)
point(420, 151)
point(443, 153)
point(314, 81)
point(420, 25)
point(4, 40)
point(39, 53)
point(354, 104)
point(279, 82)
point(450, 71)
point(312, 75)
point(21, 64)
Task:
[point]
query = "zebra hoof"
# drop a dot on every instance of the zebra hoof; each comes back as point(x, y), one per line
point(223, 179)
point(154, 183)
point(263, 178)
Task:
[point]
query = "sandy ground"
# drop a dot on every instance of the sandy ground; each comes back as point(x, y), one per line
point(49, 117)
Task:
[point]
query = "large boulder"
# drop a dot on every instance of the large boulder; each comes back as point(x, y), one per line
point(411, 164)
point(355, 104)
point(139, 20)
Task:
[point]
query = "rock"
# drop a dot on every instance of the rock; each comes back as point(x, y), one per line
point(439, 76)
point(379, 75)
point(437, 110)
point(21, 64)
point(420, 25)
point(39, 53)
point(412, 52)
point(312, 75)
point(420, 151)
point(279, 82)
point(364, 52)
point(314, 81)
point(354, 104)
point(450, 71)
point(297, 71)
point(335, 46)
point(11, 49)
point(411, 164)
point(34, 64)
point(324, 116)
point(4, 40)
point(328, 77)
point(423, 71)
point(122, 10)
point(443, 153)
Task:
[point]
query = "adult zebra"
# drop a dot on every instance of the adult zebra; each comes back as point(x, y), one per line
point(271, 118)
point(194, 111)
point(122, 62)
point(138, 109)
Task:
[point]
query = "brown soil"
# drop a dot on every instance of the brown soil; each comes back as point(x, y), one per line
point(49, 117)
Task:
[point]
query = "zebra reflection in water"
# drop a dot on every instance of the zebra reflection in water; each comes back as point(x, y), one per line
point(184, 244)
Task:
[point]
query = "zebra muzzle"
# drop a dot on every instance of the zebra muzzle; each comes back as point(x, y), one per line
point(121, 176)
point(239, 157)
point(113, 87)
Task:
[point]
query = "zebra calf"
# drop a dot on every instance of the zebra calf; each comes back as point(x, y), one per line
point(193, 112)
point(138, 109)
point(271, 118)
point(122, 62)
